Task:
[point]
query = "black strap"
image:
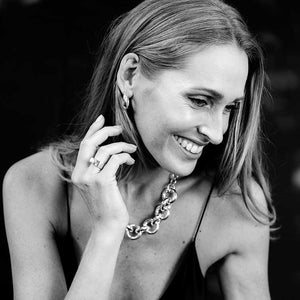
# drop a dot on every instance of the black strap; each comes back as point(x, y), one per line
point(67, 198)
point(68, 209)
point(203, 211)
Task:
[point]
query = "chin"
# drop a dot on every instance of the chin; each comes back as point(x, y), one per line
point(183, 172)
point(181, 169)
point(178, 160)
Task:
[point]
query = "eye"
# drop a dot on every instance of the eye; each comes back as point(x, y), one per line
point(199, 101)
point(232, 107)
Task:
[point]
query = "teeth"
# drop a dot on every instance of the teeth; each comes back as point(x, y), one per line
point(184, 143)
point(188, 145)
point(194, 149)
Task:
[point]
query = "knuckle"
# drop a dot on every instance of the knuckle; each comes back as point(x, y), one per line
point(123, 157)
point(126, 156)
point(102, 135)
point(124, 144)
point(118, 158)
point(103, 151)
point(115, 158)
point(104, 131)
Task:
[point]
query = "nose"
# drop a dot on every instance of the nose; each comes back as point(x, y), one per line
point(213, 129)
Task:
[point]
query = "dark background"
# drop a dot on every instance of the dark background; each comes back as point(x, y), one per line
point(47, 53)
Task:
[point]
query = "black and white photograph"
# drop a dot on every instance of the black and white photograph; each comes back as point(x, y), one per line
point(150, 150)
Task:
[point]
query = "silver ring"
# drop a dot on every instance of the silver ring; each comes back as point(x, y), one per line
point(95, 162)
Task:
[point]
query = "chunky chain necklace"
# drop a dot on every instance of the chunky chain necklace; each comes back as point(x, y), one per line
point(162, 212)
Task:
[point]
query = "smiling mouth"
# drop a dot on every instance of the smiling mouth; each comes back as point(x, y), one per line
point(188, 145)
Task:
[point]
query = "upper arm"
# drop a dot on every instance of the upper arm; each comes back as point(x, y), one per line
point(28, 212)
point(244, 272)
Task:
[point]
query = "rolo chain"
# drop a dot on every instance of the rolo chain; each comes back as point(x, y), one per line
point(162, 212)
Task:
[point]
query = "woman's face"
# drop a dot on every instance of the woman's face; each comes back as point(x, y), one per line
point(181, 111)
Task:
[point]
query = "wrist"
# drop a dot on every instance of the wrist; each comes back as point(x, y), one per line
point(109, 228)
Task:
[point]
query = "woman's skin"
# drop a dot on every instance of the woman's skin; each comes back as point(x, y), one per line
point(194, 103)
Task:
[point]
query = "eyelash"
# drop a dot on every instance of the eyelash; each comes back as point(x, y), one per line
point(199, 102)
point(202, 102)
point(234, 106)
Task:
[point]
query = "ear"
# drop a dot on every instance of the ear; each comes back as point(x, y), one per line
point(127, 72)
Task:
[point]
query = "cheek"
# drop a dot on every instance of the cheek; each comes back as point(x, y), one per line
point(152, 127)
point(164, 118)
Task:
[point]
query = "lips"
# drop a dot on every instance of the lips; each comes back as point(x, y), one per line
point(189, 145)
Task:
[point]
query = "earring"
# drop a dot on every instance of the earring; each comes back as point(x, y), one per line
point(125, 102)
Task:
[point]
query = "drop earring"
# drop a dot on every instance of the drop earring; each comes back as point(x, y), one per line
point(125, 102)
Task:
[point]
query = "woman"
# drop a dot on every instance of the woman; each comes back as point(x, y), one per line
point(172, 112)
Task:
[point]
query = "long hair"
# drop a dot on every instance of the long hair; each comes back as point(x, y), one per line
point(163, 33)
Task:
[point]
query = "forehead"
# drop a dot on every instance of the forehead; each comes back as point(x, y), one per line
point(223, 68)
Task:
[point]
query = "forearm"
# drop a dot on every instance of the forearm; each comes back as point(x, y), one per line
point(96, 270)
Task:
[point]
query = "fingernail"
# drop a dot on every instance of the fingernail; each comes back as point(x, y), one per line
point(133, 146)
point(99, 118)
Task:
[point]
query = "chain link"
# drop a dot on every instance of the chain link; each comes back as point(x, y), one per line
point(161, 212)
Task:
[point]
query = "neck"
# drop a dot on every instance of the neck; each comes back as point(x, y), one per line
point(146, 186)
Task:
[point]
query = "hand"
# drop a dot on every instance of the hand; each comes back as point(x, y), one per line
point(98, 186)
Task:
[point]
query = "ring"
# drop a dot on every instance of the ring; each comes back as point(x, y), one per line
point(95, 162)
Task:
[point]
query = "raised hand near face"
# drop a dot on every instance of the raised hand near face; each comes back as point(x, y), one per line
point(95, 173)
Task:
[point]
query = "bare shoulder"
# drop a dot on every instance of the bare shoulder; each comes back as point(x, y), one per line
point(232, 239)
point(33, 167)
point(244, 271)
point(228, 226)
point(34, 209)
point(33, 184)
point(243, 227)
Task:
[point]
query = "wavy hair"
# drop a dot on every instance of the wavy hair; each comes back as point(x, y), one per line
point(163, 33)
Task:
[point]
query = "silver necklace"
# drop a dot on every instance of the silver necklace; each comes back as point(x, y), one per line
point(162, 212)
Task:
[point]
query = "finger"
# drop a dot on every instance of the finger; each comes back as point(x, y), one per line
point(103, 134)
point(105, 152)
point(98, 124)
point(115, 162)
point(88, 146)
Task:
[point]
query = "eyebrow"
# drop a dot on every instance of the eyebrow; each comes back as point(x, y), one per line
point(216, 95)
